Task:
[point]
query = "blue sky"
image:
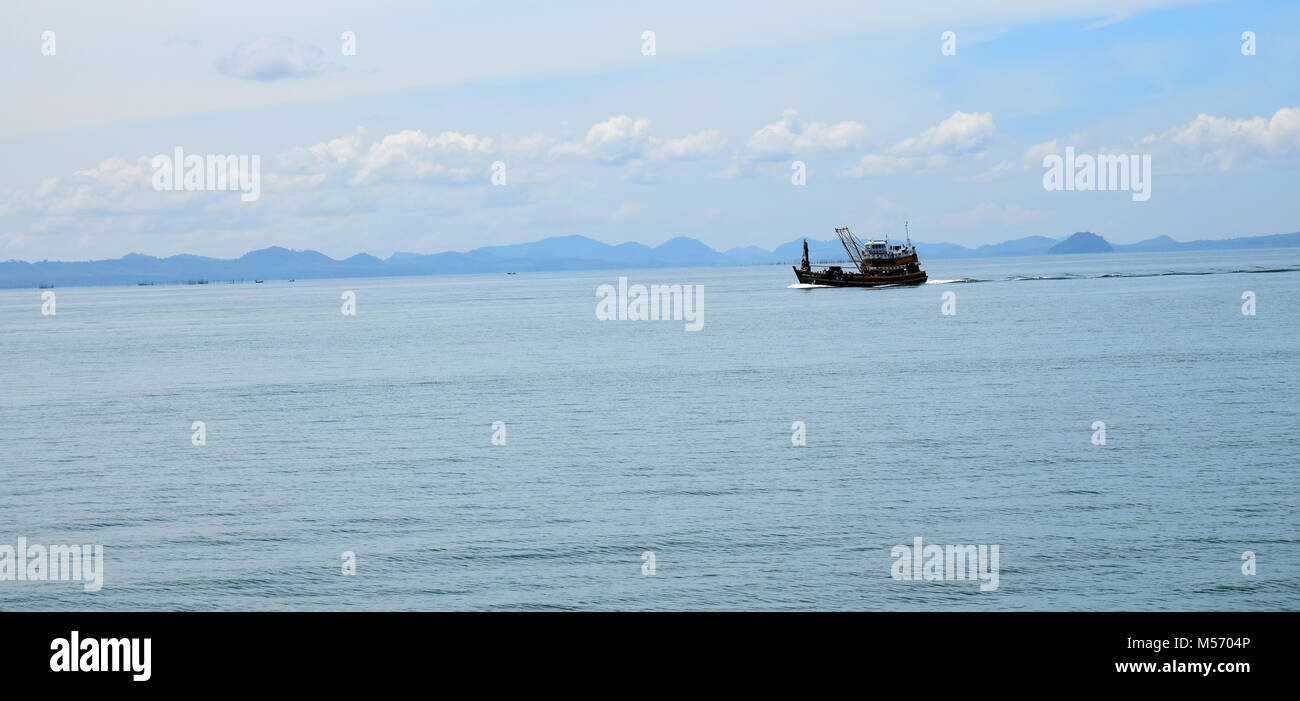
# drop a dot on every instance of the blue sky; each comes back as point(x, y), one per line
point(391, 149)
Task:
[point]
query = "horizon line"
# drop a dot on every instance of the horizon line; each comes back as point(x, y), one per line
point(615, 245)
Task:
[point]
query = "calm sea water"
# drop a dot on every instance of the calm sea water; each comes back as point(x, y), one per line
point(372, 434)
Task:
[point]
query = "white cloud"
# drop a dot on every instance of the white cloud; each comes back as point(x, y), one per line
point(1223, 143)
point(335, 153)
point(614, 140)
point(790, 136)
point(963, 132)
point(411, 154)
point(698, 145)
point(1207, 141)
point(621, 139)
point(113, 185)
point(116, 185)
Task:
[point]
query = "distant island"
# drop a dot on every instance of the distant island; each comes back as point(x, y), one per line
point(1082, 242)
point(557, 253)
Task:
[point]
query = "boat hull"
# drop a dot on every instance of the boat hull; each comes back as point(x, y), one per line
point(847, 278)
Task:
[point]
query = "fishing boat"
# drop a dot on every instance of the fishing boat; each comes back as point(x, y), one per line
point(878, 263)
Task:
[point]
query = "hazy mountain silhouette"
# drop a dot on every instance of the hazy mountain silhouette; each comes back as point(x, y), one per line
point(557, 253)
point(1083, 242)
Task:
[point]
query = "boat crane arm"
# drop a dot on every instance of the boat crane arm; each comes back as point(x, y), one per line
point(856, 248)
point(851, 245)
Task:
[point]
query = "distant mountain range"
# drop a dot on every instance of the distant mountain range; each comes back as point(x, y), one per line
point(558, 253)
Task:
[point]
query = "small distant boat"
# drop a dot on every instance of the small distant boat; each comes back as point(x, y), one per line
point(512, 273)
point(291, 280)
point(46, 286)
point(258, 281)
point(144, 283)
point(878, 264)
